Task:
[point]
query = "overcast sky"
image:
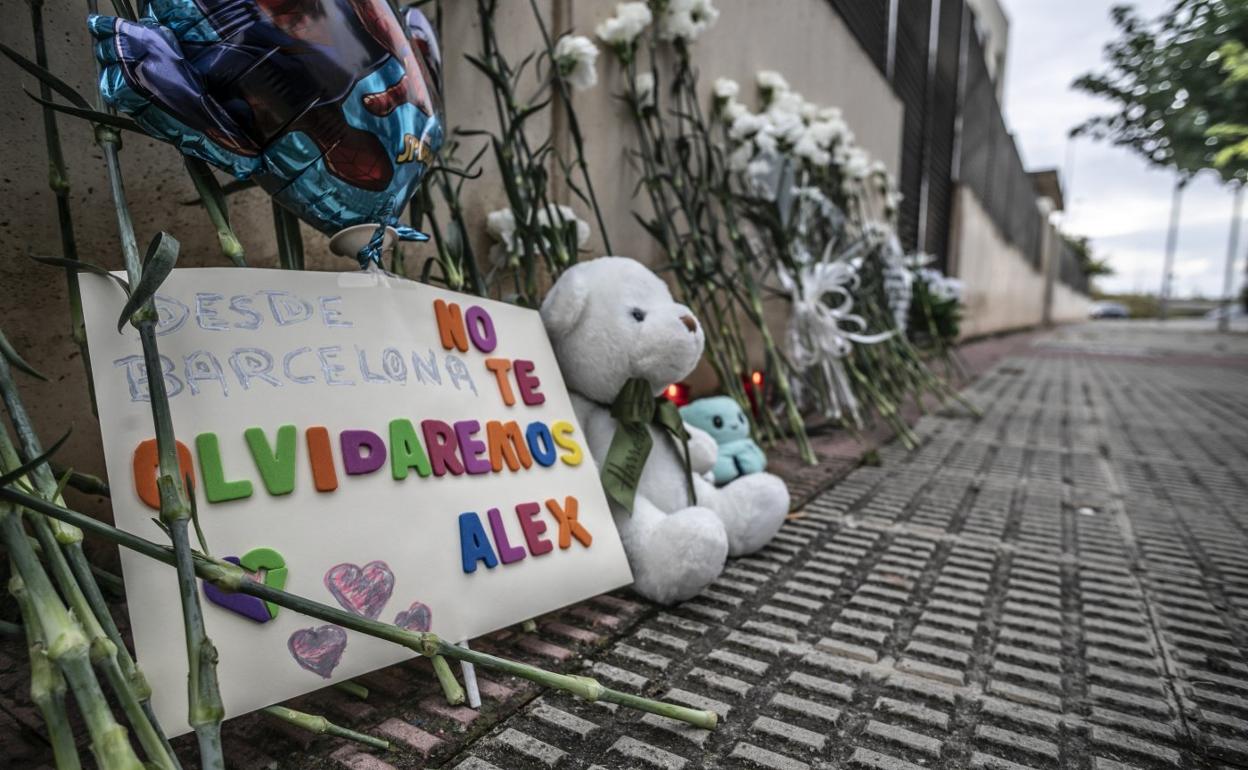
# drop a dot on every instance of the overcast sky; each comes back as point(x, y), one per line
point(1117, 199)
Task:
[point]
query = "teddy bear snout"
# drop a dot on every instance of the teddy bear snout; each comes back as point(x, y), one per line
point(690, 323)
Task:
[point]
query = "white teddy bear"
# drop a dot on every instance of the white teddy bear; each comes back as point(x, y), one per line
point(611, 319)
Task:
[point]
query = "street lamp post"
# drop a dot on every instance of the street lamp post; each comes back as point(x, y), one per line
point(1172, 242)
point(1232, 248)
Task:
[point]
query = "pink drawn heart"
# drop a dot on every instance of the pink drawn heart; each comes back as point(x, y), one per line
point(362, 590)
point(318, 649)
point(418, 617)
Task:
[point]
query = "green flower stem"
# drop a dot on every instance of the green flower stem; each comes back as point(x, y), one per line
point(214, 203)
point(68, 649)
point(62, 546)
point(58, 181)
point(204, 695)
point(723, 358)
point(314, 723)
point(231, 577)
point(574, 126)
point(467, 260)
point(450, 685)
point(83, 482)
point(289, 238)
point(353, 688)
point(47, 686)
point(796, 424)
point(103, 578)
point(523, 170)
point(128, 687)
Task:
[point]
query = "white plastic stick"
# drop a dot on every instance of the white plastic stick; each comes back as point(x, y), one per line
point(470, 680)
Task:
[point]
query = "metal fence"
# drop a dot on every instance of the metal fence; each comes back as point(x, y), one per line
point(953, 131)
point(988, 160)
point(936, 193)
point(1069, 268)
point(908, 70)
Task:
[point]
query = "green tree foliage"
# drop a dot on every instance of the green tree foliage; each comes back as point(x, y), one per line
point(1082, 248)
point(1167, 81)
point(1235, 65)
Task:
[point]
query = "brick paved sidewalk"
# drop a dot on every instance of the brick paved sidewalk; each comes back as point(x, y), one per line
point(1062, 583)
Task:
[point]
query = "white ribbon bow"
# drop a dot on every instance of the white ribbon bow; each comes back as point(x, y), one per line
point(824, 329)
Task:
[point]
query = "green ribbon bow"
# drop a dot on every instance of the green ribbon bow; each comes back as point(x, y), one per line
point(634, 409)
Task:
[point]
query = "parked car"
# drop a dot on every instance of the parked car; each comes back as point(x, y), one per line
point(1109, 310)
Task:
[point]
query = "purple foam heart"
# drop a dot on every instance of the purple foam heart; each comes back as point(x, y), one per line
point(418, 617)
point(318, 649)
point(362, 590)
point(248, 606)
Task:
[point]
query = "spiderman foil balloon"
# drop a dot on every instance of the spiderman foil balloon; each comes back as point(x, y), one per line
point(333, 106)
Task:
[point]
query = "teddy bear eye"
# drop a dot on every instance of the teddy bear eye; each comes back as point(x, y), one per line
point(719, 422)
point(639, 315)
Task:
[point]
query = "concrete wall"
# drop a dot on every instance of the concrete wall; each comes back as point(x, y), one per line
point(1069, 305)
point(1003, 290)
point(804, 39)
point(993, 28)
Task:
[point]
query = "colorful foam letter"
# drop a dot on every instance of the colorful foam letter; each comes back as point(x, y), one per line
point(216, 488)
point(276, 464)
point(354, 444)
point(323, 474)
point(146, 466)
point(474, 544)
point(406, 451)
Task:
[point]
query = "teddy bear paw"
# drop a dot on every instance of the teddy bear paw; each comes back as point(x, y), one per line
point(754, 506)
point(683, 554)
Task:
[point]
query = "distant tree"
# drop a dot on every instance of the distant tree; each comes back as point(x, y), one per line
point(1082, 249)
point(1167, 80)
point(1172, 80)
point(1235, 65)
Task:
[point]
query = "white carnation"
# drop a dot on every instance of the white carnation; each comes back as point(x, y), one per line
point(858, 167)
point(645, 89)
point(558, 217)
point(687, 19)
point(940, 286)
point(501, 225)
point(826, 133)
point(745, 125)
point(726, 89)
point(575, 56)
point(808, 147)
point(853, 162)
point(790, 102)
point(770, 80)
point(786, 125)
point(765, 139)
point(622, 29)
point(733, 110)
point(829, 114)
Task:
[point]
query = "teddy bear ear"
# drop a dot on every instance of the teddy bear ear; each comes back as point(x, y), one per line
point(565, 302)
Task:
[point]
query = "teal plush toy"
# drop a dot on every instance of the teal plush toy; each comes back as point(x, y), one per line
point(722, 418)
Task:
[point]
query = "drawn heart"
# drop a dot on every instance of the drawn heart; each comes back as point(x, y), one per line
point(362, 590)
point(318, 649)
point(418, 617)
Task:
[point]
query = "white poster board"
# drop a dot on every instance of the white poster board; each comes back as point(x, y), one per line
point(287, 388)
